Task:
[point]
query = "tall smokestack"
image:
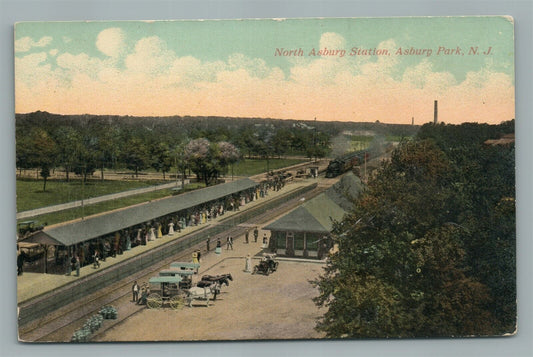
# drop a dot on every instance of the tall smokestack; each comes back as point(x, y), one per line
point(435, 113)
point(413, 121)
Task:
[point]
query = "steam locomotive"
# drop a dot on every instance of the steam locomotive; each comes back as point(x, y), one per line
point(346, 162)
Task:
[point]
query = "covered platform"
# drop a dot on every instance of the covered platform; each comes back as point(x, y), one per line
point(117, 231)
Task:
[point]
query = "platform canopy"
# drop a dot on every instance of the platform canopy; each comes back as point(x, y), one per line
point(114, 221)
point(41, 237)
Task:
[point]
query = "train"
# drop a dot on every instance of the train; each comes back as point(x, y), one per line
point(346, 162)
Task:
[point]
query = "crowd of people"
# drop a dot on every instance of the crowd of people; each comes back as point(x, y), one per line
point(99, 249)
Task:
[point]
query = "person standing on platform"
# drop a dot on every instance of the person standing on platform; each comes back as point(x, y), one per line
point(256, 234)
point(246, 236)
point(107, 249)
point(218, 249)
point(199, 256)
point(72, 265)
point(20, 263)
point(96, 260)
point(247, 264)
point(77, 266)
point(135, 291)
point(171, 228)
point(229, 243)
point(207, 242)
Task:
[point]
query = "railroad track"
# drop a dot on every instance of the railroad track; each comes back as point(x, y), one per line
point(59, 326)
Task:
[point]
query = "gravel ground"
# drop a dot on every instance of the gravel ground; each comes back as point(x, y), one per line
point(252, 307)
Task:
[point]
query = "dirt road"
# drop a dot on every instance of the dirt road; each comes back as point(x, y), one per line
point(252, 307)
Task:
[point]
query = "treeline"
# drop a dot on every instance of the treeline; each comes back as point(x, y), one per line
point(430, 248)
point(83, 144)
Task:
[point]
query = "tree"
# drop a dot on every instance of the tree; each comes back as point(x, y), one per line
point(106, 146)
point(229, 154)
point(86, 152)
point(208, 160)
point(24, 152)
point(161, 159)
point(135, 155)
point(68, 142)
point(43, 153)
point(402, 265)
point(484, 186)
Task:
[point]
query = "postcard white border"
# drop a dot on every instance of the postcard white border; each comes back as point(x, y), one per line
point(12, 11)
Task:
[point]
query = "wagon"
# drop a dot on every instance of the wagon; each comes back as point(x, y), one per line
point(186, 276)
point(267, 265)
point(185, 266)
point(27, 227)
point(166, 291)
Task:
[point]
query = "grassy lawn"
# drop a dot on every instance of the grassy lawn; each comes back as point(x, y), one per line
point(30, 193)
point(359, 142)
point(250, 167)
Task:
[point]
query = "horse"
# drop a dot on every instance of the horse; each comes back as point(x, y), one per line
point(202, 293)
point(220, 279)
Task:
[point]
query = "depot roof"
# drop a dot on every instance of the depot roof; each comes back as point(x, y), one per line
point(318, 214)
point(114, 221)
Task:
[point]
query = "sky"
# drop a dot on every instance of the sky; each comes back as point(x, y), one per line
point(344, 69)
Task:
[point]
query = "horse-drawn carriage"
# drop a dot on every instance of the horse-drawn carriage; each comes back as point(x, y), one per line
point(185, 266)
point(267, 265)
point(186, 276)
point(173, 287)
point(165, 290)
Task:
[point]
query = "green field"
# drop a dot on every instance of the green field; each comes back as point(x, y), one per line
point(30, 193)
point(250, 167)
point(360, 142)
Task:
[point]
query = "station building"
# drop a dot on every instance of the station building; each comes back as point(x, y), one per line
point(305, 231)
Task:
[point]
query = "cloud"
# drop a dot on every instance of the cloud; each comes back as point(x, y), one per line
point(332, 41)
point(25, 44)
point(80, 63)
point(422, 76)
point(111, 42)
point(151, 56)
point(190, 71)
point(32, 68)
point(255, 66)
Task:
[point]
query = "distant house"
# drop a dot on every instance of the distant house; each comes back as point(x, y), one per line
point(506, 139)
point(305, 231)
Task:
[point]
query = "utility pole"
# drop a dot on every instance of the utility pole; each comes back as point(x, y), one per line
point(176, 160)
point(314, 142)
point(84, 173)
